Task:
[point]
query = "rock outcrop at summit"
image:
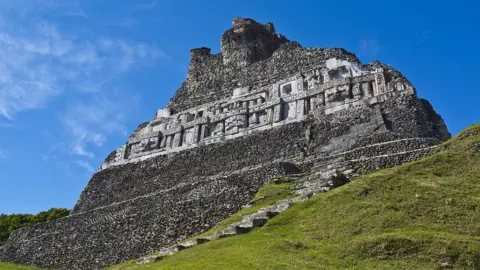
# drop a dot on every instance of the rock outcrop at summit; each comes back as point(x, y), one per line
point(263, 107)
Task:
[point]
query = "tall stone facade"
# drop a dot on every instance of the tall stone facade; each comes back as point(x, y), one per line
point(262, 107)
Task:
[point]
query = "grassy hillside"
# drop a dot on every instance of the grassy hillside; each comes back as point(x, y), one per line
point(422, 215)
point(7, 266)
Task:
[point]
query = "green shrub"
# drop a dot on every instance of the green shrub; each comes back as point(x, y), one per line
point(8, 223)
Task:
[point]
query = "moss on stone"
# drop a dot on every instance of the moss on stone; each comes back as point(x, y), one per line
point(421, 215)
point(7, 266)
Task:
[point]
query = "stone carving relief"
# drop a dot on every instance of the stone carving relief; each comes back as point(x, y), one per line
point(289, 110)
point(367, 89)
point(338, 73)
point(188, 136)
point(144, 145)
point(337, 95)
point(300, 107)
point(235, 124)
point(313, 79)
point(169, 142)
point(217, 129)
point(287, 89)
point(399, 86)
point(177, 139)
point(313, 93)
point(252, 119)
point(380, 83)
point(263, 117)
point(277, 113)
point(356, 91)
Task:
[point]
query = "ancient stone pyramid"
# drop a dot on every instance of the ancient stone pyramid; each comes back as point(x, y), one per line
point(263, 107)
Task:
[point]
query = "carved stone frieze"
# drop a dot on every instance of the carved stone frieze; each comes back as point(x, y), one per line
point(254, 107)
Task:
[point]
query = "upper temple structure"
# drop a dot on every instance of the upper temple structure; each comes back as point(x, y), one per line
point(262, 107)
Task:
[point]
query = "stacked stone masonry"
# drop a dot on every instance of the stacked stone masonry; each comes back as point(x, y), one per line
point(263, 107)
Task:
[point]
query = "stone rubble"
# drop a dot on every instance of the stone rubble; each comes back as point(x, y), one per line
point(263, 107)
point(248, 223)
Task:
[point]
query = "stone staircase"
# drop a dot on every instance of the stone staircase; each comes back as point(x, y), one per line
point(333, 171)
point(247, 224)
point(327, 172)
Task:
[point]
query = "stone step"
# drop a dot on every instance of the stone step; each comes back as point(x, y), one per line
point(276, 209)
point(148, 259)
point(254, 220)
point(246, 225)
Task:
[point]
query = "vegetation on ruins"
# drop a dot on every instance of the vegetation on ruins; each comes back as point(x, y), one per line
point(8, 223)
point(267, 107)
point(421, 215)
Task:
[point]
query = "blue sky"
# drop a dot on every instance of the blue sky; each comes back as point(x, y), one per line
point(77, 77)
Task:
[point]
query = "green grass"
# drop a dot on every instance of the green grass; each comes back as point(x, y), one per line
point(7, 266)
point(267, 195)
point(416, 216)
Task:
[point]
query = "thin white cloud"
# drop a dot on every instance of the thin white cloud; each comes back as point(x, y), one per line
point(88, 124)
point(40, 61)
point(85, 165)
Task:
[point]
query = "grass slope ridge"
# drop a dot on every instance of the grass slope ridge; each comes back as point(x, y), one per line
point(7, 266)
point(422, 215)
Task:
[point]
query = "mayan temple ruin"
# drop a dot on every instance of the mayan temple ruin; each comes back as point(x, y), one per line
point(263, 107)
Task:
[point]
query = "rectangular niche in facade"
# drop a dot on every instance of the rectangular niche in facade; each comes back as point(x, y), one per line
point(289, 110)
point(287, 89)
point(339, 73)
point(188, 136)
point(189, 117)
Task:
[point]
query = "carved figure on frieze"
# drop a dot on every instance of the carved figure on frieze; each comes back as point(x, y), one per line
point(312, 80)
point(399, 86)
point(367, 89)
point(235, 124)
point(117, 155)
point(135, 148)
point(163, 142)
point(145, 145)
point(177, 139)
point(330, 95)
point(356, 91)
point(300, 107)
point(337, 95)
point(252, 119)
point(169, 141)
point(313, 103)
point(277, 113)
point(263, 118)
point(380, 82)
point(218, 128)
point(188, 136)
point(196, 132)
point(152, 144)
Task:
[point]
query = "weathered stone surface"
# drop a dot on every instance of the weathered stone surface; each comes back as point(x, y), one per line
point(263, 107)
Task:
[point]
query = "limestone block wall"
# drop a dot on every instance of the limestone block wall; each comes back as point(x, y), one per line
point(392, 147)
point(365, 165)
point(408, 115)
point(136, 227)
point(261, 101)
point(147, 205)
point(162, 172)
